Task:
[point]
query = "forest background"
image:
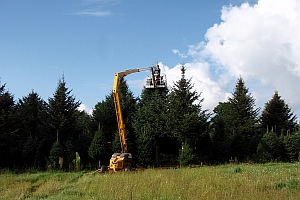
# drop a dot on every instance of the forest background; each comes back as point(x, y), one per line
point(163, 127)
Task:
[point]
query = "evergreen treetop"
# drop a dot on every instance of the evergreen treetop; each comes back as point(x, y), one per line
point(277, 116)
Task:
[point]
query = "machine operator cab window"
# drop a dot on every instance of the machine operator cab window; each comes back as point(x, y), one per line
point(126, 156)
point(115, 155)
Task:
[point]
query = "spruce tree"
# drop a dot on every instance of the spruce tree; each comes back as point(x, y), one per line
point(63, 107)
point(186, 118)
point(32, 114)
point(55, 160)
point(105, 114)
point(86, 134)
point(9, 150)
point(98, 149)
point(128, 104)
point(234, 125)
point(220, 132)
point(29, 151)
point(186, 155)
point(150, 125)
point(243, 111)
point(145, 148)
point(63, 118)
point(271, 148)
point(277, 116)
point(291, 143)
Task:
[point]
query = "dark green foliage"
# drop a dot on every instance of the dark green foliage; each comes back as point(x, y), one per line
point(34, 134)
point(234, 125)
point(220, 143)
point(203, 148)
point(186, 119)
point(186, 155)
point(105, 115)
point(238, 147)
point(55, 154)
point(63, 120)
point(146, 149)
point(292, 146)
point(29, 151)
point(243, 111)
point(63, 107)
point(150, 124)
point(32, 114)
point(8, 130)
point(86, 134)
point(128, 104)
point(42, 153)
point(271, 148)
point(220, 132)
point(277, 116)
point(116, 145)
point(253, 144)
point(99, 149)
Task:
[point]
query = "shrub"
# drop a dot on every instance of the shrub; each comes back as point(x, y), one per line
point(186, 155)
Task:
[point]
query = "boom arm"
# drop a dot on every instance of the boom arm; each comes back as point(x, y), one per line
point(117, 103)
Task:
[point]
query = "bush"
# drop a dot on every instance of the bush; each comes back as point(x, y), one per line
point(271, 148)
point(186, 155)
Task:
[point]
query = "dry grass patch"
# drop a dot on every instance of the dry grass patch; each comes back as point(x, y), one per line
point(270, 181)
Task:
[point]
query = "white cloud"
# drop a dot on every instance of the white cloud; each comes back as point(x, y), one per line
point(200, 73)
point(176, 51)
point(83, 107)
point(95, 8)
point(259, 42)
point(95, 13)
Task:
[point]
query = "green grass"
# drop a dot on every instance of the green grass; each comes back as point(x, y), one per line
point(265, 181)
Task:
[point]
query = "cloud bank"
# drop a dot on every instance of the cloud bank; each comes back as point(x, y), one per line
point(83, 107)
point(260, 43)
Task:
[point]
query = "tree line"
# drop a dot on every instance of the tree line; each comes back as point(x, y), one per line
point(164, 126)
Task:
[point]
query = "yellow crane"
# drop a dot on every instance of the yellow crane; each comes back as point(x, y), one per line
point(122, 161)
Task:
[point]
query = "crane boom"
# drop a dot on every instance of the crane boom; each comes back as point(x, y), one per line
point(123, 160)
point(117, 103)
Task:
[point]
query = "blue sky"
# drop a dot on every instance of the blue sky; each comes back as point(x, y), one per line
point(89, 40)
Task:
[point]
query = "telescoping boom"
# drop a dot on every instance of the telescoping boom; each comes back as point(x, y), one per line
point(123, 161)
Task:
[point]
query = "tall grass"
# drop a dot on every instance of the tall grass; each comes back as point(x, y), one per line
point(268, 181)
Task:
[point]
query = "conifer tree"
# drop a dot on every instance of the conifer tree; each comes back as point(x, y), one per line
point(271, 148)
point(277, 116)
point(221, 132)
point(98, 149)
point(86, 134)
point(291, 143)
point(234, 125)
point(63, 118)
point(32, 114)
point(63, 108)
point(29, 151)
point(8, 130)
point(150, 126)
point(105, 114)
point(128, 104)
point(186, 155)
point(55, 160)
point(243, 111)
point(186, 118)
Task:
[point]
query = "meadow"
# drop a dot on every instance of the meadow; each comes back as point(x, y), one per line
point(243, 181)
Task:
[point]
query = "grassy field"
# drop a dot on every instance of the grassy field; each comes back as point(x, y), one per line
point(268, 181)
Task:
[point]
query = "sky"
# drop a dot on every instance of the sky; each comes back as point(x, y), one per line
point(87, 41)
